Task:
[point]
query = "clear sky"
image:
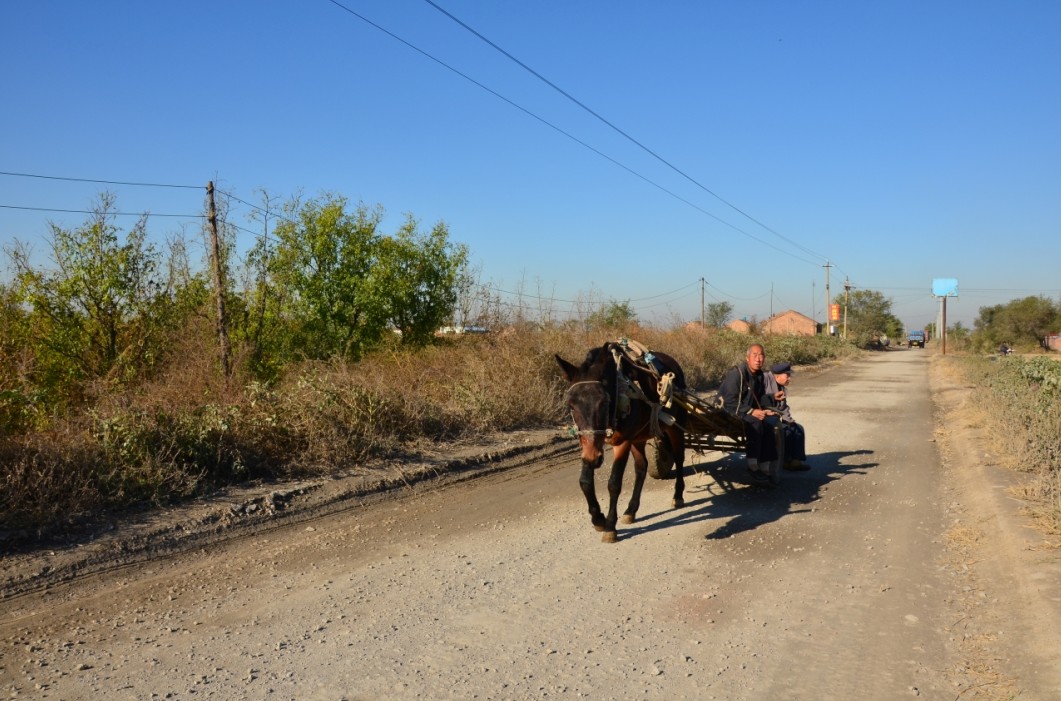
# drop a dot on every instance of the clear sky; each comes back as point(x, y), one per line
point(743, 143)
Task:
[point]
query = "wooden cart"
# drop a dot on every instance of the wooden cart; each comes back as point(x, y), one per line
point(707, 427)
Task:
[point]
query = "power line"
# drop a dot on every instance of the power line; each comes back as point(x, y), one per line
point(575, 301)
point(89, 211)
point(625, 135)
point(574, 138)
point(104, 182)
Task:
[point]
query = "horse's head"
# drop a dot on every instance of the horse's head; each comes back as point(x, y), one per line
point(590, 397)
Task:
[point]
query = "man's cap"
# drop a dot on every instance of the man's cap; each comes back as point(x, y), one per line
point(781, 368)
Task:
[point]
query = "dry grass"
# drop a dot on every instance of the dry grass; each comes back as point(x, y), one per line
point(185, 430)
point(1023, 423)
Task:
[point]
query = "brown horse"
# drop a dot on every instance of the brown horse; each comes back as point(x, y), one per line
point(612, 400)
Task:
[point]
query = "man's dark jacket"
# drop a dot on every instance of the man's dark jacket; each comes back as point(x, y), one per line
point(742, 390)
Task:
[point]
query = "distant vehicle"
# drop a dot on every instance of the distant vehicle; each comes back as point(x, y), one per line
point(916, 338)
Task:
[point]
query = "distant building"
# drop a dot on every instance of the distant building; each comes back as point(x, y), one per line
point(1052, 342)
point(694, 327)
point(790, 323)
point(740, 326)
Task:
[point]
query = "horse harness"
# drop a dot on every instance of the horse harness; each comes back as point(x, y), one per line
point(627, 390)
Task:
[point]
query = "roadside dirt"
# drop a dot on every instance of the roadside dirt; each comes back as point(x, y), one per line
point(898, 567)
point(1009, 630)
point(124, 539)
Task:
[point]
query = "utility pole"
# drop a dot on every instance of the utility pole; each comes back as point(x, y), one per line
point(219, 289)
point(828, 300)
point(703, 322)
point(847, 297)
point(943, 333)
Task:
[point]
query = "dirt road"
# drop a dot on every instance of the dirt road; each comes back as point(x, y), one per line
point(893, 569)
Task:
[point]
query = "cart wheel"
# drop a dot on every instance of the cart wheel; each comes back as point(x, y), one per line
point(661, 460)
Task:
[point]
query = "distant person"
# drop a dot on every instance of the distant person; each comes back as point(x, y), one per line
point(1004, 349)
point(743, 389)
point(776, 382)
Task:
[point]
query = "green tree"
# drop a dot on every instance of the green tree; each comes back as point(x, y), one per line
point(417, 279)
point(16, 362)
point(97, 312)
point(318, 274)
point(719, 314)
point(869, 315)
point(333, 284)
point(1022, 323)
point(613, 315)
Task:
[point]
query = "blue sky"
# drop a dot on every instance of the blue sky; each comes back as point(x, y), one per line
point(899, 141)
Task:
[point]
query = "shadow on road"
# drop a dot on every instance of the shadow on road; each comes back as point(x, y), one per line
point(740, 506)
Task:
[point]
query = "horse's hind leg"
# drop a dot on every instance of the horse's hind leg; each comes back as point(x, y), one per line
point(586, 482)
point(640, 471)
point(615, 485)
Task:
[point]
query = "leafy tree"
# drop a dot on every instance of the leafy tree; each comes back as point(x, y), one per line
point(958, 336)
point(613, 315)
point(319, 274)
point(334, 285)
point(958, 332)
point(98, 311)
point(1022, 323)
point(719, 314)
point(869, 315)
point(15, 362)
point(416, 278)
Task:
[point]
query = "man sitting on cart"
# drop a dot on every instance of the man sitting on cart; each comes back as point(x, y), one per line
point(743, 395)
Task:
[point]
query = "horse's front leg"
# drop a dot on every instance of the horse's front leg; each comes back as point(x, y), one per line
point(621, 453)
point(677, 441)
point(640, 471)
point(586, 482)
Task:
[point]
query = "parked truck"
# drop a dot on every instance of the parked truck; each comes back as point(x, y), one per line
point(916, 338)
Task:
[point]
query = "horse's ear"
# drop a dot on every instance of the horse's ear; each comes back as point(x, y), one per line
point(569, 370)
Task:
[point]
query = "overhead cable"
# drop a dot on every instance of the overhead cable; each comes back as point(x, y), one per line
point(105, 182)
point(89, 211)
point(622, 133)
point(565, 133)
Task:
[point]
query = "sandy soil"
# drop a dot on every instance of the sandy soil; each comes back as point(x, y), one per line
point(898, 567)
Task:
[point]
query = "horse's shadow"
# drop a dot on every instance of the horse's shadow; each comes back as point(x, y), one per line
point(729, 497)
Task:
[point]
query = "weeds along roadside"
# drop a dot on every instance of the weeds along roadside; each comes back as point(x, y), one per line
point(1020, 399)
point(184, 433)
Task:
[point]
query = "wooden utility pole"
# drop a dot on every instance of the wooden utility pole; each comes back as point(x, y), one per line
point(703, 322)
point(943, 332)
point(219, 287)
point(847, 298)
point(828, 301)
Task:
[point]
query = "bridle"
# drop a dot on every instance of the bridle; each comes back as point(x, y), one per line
point(606, 432)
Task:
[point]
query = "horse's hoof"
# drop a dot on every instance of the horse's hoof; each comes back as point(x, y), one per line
point(627, 518)
point(599, 527)
point(678, 503)
point(609, 537)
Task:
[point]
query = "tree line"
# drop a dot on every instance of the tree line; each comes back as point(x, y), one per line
point(106, 307)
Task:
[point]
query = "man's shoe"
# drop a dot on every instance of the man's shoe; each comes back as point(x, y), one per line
point(796, 466)
point(759, 478)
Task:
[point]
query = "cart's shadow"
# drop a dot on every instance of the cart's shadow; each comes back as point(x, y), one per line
point(731, 500)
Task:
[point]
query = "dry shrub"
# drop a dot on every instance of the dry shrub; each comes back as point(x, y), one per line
point(46, 477)
point(1020, 402)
